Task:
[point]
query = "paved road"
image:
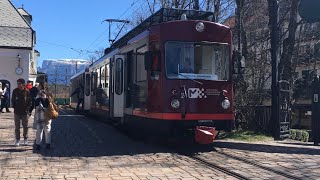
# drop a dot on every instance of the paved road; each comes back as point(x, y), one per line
point(83, 148)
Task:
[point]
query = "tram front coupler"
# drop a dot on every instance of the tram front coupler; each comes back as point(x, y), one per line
point(204, 134)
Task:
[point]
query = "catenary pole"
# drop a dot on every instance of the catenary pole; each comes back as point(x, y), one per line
point(274, 7)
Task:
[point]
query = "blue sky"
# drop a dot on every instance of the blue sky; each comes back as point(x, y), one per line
point(63, 25)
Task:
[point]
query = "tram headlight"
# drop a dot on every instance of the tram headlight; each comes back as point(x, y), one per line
point(200, 26)
point(175, 103)
point(225, 104)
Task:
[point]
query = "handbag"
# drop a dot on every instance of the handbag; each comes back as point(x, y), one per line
point(52, 110)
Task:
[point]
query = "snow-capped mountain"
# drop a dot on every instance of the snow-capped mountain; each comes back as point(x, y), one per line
point(60, 70)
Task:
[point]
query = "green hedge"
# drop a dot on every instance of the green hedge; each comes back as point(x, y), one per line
point(300, 135)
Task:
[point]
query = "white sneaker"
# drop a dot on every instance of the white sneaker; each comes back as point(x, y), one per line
point(25, 142)
point(17, 143)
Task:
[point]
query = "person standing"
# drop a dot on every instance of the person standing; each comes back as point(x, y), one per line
point(21, 102)
point(80, 95)
point(43, 123)
point(29, 85)
point(6, 99)
point(187, 66)
point(33, 92)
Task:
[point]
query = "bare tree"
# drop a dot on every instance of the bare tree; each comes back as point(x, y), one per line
point(286, 66)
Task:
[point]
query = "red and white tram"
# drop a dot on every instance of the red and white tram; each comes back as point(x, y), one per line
point(168, 75)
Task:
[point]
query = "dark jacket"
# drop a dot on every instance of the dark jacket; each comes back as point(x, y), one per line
point(43, 101)
point(34, 91)
point(21, 101)
point(79, 92)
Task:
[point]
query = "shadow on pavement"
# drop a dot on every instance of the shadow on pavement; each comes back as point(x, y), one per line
point(12, 148)
point(81, 136)
point(307, 144)
point(267, 148)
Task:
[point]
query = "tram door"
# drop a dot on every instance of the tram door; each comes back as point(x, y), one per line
point(117, 105)
point(87, 91)
point(94, 80)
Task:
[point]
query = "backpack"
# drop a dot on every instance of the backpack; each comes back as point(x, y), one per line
point(52, 111)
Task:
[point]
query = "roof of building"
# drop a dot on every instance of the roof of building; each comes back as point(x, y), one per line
point(23, 12)
point(15, 32)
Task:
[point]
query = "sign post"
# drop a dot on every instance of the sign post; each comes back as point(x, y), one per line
point(316, 111)
point(285, 108)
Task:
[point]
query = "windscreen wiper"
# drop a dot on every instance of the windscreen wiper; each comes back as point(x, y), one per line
point(188, 78)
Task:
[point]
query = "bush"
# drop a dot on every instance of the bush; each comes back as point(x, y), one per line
point(292, 134)
point(300, 135)
point(305, 136)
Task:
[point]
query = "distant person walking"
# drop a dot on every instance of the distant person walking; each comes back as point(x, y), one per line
point(80, 95)
point(29, 85)
point(5, 104)
point(21, 102)
point(43, 123)
point(33, 92)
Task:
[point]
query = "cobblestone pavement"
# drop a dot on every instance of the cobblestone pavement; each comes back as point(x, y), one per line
point(83, 148)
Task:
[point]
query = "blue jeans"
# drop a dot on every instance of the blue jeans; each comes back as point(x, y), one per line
point(5, 104)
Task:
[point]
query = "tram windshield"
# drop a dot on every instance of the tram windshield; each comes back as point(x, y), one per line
point(190, 60)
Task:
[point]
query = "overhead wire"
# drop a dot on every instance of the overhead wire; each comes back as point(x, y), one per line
point(103, 40)
point(132, 4)
point(64, 46)
point(118, 27)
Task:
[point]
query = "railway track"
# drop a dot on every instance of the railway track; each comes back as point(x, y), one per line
point(233, 171)
point(279, 172)
point(234, 166)
point(219, 168)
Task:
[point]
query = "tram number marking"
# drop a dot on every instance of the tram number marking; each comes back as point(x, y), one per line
point(195, 93)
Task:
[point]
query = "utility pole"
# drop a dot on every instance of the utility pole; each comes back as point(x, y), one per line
point(76, 66)
point(196, 5)
point(273, 22)
point(55, 84)
point(239, 19)
point(65, 100)
point(110, 22)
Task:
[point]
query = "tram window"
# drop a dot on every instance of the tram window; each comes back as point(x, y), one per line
point(99, 76)
point(141, 72)
point(102, 75)
point(189, 60)
point(119, 76)
point(107, 73)
point(94, 83)
point(87, 85)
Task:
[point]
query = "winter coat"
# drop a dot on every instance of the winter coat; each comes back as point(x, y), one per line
point(41, 104)
point(21, 101)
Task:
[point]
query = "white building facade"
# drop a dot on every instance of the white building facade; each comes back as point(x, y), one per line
point(17, 39)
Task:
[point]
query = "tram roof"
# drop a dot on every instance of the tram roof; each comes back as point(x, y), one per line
point(162, 15)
